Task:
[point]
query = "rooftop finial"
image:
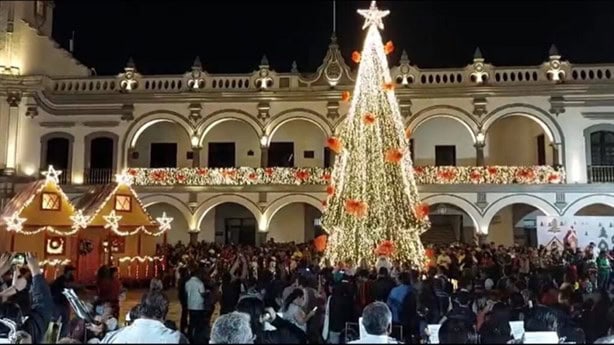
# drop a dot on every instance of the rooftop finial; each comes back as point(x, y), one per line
point(197, 62)
point(264, 61)
point(294, 67)
point(477, 54)
point(130, 63)
point(404, 57)
point(553, 51)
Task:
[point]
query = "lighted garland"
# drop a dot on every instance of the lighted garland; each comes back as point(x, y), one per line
point(246, 176)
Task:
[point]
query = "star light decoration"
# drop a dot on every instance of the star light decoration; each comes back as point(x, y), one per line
point(373, 16)
point(123, 178)
point(52, 175)
point(79, 220)
point(165, 222)
point(14, 223)
point(112, 221)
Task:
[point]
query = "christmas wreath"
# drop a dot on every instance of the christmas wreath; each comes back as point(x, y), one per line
point(85, 247)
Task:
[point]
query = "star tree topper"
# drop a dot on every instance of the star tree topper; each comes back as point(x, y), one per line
point(373, 16)
point(52, 175)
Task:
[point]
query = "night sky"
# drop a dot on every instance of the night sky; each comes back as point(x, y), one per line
point(163, 37)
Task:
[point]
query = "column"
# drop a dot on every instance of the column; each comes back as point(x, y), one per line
point(556, 158)
point(264, 156)
point(196, 157)
point(12, 143)
point(193, 237)
point(76, 172)
point(479, 154)
point(482, 239)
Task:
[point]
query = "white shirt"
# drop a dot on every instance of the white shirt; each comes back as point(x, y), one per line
point(374, 339)
point(143, 331)
point(195, 289)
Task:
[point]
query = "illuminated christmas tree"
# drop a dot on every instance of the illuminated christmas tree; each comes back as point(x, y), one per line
point(373, 207)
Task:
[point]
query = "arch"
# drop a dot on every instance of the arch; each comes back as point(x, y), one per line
point(606, 127)
point(582, 202)
point(100, 134)
point(219, 116)
point(153, 199)
point(463, 204)
point(207, 205)
point(448, 111)
point(147, 120)
point(549, 125)
point(298, 114)
point(284, 201)
point(527, 199)
point(44, 148)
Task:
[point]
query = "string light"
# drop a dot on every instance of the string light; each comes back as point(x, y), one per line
point(362, 173)
point(112, 221)
point(52, 175)
point(14, 222)
point(79, 220)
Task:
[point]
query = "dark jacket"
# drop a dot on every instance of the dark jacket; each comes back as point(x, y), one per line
point(285, 333)
point(382, 288)
point(42, 306)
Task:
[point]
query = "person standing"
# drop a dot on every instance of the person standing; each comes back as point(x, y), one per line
point(195, 293)
point(184, 276)
point(603, 271)
point(62, 307)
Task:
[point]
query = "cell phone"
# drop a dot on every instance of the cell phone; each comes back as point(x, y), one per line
point(19, 259)
point(314, 309)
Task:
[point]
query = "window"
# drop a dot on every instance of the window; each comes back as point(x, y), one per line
point(541, 149)
point(123, 203)
point(602, 148)
point(163, 155)
point(281, 154)
point(445, 155)
point(221, 155)
point(50, 202)
point(411, 150)
point(309, 154)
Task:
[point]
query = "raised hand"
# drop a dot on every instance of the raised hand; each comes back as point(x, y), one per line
point(33, 264)
point(5, 262)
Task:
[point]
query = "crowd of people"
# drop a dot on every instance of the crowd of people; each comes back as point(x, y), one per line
point(285, 293)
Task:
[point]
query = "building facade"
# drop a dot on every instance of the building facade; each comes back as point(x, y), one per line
point(493, 146)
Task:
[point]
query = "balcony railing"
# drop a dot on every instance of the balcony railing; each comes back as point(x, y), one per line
point(98, 176)
point(322, 176)
point(601, 173)
point(63, 178)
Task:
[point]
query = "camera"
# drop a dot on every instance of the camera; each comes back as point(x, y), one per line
point(19, 259)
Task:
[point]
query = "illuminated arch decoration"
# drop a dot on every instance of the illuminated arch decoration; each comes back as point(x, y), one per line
point(223, 115)
point(595, 199)
point(548, 124)
point(543, 205)
point(154, 199)
point(298, 114)
point(464, 205)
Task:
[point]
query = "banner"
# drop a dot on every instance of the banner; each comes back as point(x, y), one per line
point(578, 231)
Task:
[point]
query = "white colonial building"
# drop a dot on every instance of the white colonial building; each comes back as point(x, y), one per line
point(495, 146)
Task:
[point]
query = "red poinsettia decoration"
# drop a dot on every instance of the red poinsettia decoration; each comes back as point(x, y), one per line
point(334, 144)
point(492, 170)
point(525, 174)
point(132, 172)
point(330, 190)
point(326, 176)
point(320, 243)
point(421, 210)
point(388, 86)
point(269, 171)
point(418, 170)
point(202, 171)
point(252, 176)
point(324, 203)
point(388, 47)
point(368, 119)
point(407, 133)
point(447, 175)
point(345, 96)
point(554, 178)
point(231, 173)
point(302, 175)
point(180, 177)
point(386, 248)
point(475, 176)
point(356, 208)
point(356, 56)
point(158, 175)
point(394, 155)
